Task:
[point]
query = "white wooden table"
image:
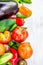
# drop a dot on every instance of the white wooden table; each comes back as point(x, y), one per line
point(35, 28)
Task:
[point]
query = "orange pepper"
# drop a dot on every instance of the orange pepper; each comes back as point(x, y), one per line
point(2, 49)
point(25, 50)
point(25, 11)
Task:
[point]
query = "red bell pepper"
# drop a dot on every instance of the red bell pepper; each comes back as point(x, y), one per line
point(19, 21)
point(14, 60)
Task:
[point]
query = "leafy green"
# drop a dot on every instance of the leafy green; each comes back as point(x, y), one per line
point(6, 24)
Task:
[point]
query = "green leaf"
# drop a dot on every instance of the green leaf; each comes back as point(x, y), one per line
point(6, 24)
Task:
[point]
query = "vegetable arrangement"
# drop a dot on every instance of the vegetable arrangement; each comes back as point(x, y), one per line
point(13, 49)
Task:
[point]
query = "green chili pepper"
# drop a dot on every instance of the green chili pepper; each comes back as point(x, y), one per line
point(11, 43)
point(27, 1)
point(20, 16)
point(14, 45)
point(13, 27)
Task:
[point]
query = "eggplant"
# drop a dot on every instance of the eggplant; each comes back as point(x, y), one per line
point(7, 9)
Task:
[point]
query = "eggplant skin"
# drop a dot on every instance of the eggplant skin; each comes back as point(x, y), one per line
point(7, 9)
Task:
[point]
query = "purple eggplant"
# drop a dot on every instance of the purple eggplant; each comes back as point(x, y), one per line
point(7, 9)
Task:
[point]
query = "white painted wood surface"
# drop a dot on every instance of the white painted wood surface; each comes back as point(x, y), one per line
point(35, 28)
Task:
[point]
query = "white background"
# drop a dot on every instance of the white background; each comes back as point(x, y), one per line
point(35, 29)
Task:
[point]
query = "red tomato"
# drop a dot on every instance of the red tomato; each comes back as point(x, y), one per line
point(19, 21)
point(19, 34)
point(5, 37)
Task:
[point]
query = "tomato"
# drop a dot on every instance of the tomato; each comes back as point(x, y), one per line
point(5, 37)
point(19, 21)
point(2, 49)
point(19, 34)
point(25, 50)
